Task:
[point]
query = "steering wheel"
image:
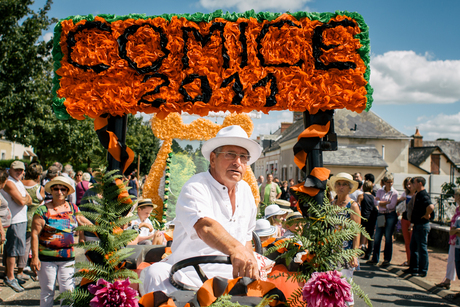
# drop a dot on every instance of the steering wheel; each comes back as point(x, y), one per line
point(196, 261)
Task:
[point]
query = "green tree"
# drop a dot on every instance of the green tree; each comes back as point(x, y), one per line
point(181, 169)
point(25, 89)
point(143, 142)
point(200, 162)
point(176, 148)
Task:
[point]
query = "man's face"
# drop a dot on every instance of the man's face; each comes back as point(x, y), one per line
point(225, 170)
point(414, 185)
point(261, 179)
point(269, 178)
point(16, 173)
point(357, 177)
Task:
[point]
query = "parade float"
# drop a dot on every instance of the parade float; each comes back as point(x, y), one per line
point(108, 66)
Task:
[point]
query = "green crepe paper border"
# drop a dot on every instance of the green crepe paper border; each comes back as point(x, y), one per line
point(58, 103)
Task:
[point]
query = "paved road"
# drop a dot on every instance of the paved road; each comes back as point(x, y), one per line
point(384, 289)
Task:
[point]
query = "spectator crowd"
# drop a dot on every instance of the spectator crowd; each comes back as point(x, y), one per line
point(37, 206)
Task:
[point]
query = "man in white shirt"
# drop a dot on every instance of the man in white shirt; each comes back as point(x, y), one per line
point(215, 215)
point(18, 199)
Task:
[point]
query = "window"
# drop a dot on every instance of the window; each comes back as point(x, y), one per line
point(435, 164)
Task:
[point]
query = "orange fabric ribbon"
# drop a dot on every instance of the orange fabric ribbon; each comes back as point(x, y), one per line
point(321, 173)
point(110, 142)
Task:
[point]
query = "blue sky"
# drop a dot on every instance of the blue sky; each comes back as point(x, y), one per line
point(415, 52)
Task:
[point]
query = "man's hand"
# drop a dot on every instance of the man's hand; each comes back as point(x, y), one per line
point(244, 264)
point(426, 216)
point(213, 234)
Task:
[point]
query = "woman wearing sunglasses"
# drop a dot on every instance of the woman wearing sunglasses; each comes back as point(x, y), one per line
point(53, 228)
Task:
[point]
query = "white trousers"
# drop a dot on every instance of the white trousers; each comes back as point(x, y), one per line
point(156, 276)
point(48, 273)
point(450, 270)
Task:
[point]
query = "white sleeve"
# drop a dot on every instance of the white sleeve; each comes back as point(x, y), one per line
point(194, 203)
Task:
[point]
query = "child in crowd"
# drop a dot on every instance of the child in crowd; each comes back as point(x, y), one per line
point(293, 224)
point(274, 214)
point(143, 225)
point(265, 231)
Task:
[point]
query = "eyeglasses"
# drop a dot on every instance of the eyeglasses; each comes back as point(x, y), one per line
point(63, 190)
point(233, 155)
point(78, 174)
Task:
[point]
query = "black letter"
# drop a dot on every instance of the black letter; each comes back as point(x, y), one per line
point(262, 35)
point(237, 87)
point(206, 91)
point(123, 39)
point(71, 43)
point(244, 45)
point(157, 102)
point(271, 100)
point(317, 43)
point(219, 26)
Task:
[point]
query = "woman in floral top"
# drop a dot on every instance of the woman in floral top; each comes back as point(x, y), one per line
point(53, 228)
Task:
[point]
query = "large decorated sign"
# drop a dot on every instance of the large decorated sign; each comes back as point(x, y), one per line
point(211, 62)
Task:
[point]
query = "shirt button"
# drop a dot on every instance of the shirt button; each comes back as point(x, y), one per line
point(223, 188)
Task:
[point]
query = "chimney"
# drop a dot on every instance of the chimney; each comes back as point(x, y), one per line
point(284, 126)
point(417, 139)
point(297, 116)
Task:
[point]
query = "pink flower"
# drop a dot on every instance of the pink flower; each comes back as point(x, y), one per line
point(326, 289)
point(118, 294)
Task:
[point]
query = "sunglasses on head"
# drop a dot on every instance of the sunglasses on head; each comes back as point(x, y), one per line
point(59, 189)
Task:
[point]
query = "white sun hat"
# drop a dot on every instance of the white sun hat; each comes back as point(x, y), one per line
point(273, 210)
point(344, 177)
point(61, 180)
point(264, 229)
point(235, 136)
point(284, 205)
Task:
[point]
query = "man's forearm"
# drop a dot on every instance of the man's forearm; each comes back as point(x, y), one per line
point(429, 209)
point(214, 235)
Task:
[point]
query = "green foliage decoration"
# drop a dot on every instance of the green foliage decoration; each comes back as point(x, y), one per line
point(107, 254)
point(325, 230)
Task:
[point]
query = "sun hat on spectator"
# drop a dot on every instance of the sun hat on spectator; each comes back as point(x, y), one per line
point(273, 210)
point(234, 136)
point(145, 202)
point(61, 180)
point(344, 177)
point(18, 165)
point(284, 205)
point(264, 229)
point(294, 216)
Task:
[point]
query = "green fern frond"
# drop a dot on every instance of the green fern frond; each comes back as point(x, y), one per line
point(359, 292)
point(123, 274)
point(77, 298)
point(296, 298)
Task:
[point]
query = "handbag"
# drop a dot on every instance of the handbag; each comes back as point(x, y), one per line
point(381, 220)
point(401, 207)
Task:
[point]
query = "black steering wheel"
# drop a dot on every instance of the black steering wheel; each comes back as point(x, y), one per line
point(196, 261)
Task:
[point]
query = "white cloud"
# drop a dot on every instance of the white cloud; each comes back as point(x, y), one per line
point(47, 36)
point(404, 77)
point(270, 123)
point(440, 126)
point(256, 5)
